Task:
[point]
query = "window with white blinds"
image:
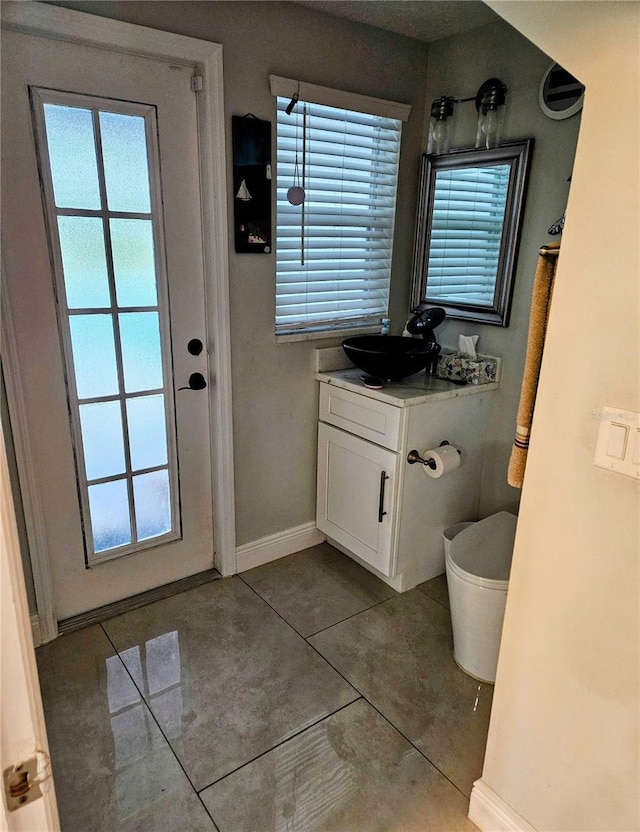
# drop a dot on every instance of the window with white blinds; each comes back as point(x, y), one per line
point(333, 262)
point(466, 237)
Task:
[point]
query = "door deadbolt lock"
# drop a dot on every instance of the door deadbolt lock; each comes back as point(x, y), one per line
point(194, 347)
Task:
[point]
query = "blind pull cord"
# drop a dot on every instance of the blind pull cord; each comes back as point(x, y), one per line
point(304, 184)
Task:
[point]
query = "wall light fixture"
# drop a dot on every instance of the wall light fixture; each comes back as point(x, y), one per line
point(490, 103)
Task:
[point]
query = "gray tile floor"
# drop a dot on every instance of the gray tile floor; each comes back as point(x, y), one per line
point(303, 696)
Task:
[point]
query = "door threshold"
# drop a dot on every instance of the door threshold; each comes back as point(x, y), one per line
point(87, 619)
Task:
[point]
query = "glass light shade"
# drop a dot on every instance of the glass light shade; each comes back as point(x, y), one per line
point(490, 122)
point(439, 140)
point(439, 136)
point(490, 101)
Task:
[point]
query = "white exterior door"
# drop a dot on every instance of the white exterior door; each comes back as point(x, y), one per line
point(103, 257)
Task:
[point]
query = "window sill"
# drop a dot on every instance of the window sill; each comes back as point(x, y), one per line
point(327, 334)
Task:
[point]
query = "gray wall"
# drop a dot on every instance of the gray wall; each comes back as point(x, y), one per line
point(274, 394)
point(457, 67)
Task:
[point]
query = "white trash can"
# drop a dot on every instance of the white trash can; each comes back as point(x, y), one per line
point(478, 562)
point(449, 533)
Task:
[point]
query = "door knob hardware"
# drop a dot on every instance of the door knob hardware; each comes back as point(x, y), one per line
point(196, 382)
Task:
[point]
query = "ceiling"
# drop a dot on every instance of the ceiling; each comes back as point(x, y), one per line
point(425, 20)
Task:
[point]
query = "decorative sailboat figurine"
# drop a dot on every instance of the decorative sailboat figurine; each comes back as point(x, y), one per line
point(243, 192)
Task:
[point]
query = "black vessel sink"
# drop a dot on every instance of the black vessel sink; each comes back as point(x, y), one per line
point(389, 357)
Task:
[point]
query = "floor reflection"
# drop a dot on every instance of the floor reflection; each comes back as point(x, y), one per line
point(300, 768)
point(155, 669)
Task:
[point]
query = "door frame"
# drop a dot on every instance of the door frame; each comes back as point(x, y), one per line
point(24, 733)
point(206, 58)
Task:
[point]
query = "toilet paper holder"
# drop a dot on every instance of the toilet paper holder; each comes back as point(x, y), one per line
point(414, 456)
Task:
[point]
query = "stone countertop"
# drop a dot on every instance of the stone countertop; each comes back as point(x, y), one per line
point(416, 389)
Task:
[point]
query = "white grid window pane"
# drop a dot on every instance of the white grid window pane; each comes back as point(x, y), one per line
point(466, 237)
point(110, 519)
point(124, 149)
point(147, 432)
point(141, 351)
point(94, 355)
point(72, 157)
point(133, 262)
point(153, 506)
point(84, 262)
point(350, 183)
point(102, 439)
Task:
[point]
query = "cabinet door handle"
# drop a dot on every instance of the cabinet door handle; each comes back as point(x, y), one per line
point(381, 512)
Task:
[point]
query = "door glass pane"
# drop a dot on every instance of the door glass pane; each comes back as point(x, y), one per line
point(153, 509)
point(94, 355)
point(102, 440)
point(109, 507)
point(100, 192)
point(140, 337)
point(124, 149)
point(72, 156)
point(134, 262)
point(147, 432)
point(84, 262)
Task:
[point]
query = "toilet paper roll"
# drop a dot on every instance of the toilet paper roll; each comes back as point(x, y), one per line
point(446, 458)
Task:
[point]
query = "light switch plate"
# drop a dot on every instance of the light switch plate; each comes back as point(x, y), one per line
point(618, 445)
point(617, 441)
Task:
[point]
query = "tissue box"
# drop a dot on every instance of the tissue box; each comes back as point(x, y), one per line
point(454, 367)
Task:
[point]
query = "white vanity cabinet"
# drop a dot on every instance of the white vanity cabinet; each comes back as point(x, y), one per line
point(357, 487)
point(371, 503)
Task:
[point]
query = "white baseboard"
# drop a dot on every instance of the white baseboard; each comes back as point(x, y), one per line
point(490, 813)
point(35, 630)
point(275, 546)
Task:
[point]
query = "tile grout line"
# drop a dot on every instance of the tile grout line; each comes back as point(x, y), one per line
point(283, 742)
point(362, 696)
point(305, 639)
point(311, 635)
point(348, 618)
point(257, 757)
point(164, 736)
point(388, 721)
point(431, 598)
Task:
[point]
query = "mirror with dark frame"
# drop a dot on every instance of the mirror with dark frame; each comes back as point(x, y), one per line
point(468, 228)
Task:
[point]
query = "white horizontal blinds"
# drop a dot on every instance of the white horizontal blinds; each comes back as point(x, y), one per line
point(468, 216)
point(351, 175)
